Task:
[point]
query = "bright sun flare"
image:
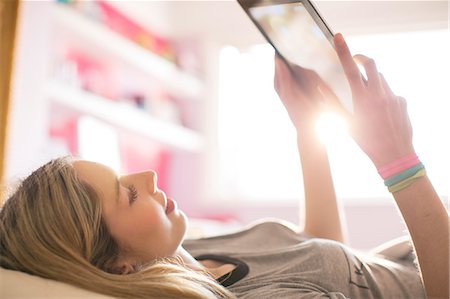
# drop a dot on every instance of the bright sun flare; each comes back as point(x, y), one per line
point(330, 128)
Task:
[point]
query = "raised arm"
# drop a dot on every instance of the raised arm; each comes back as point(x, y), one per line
point(380, 126)
point(298, 91)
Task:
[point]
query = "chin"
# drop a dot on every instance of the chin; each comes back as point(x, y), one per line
point(180, 224)
point(185, 222)
point(182, 214)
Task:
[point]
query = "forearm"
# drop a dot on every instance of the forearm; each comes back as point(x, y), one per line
point(323, 215)
point(299, 91)
point(428, 224)
point(380, 125)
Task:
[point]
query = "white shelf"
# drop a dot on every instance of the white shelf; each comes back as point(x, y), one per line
point(111, 43)
point(126, 116)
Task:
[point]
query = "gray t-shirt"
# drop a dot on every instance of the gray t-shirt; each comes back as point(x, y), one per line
point(284, 264)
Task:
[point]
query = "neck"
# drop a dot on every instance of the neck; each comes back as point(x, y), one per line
point(215, 269)
point(188, 259)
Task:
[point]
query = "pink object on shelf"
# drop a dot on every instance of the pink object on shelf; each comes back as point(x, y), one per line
point(123, 25)
point(64, 128)
point(93, 75)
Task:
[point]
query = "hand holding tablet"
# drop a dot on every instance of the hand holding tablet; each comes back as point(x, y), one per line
point(301, 37)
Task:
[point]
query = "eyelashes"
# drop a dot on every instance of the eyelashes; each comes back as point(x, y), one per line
point(132, 194)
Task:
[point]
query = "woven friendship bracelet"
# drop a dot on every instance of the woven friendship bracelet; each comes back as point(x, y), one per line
point(403, 175)
point(405, 183)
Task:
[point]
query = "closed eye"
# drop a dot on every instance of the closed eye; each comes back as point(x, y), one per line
point(132, 194)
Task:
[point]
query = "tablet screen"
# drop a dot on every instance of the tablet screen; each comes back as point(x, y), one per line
point(299, 40)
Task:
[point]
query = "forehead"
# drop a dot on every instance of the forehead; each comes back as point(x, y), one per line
point(88, 168)
point(99, 176)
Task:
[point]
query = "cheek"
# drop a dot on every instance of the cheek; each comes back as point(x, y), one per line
point(157, 236)
point(148, 223)
point(137, 226)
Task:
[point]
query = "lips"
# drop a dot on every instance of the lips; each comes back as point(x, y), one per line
point(171, 205)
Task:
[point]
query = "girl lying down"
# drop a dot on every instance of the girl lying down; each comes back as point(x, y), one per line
point(79, 223)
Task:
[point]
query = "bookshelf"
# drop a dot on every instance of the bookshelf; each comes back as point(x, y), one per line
point(110, 43)
point(124, 115)
point(103, 43)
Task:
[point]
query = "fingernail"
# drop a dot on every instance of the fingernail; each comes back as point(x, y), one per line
point(339, 39)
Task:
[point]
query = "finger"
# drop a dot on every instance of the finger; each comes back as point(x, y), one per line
point(300, 70)
point(307, 79)
point(282, 67)
point(388, 91)
point(278, 72)
point(348, 64)
point(373, 78)
point(283, 75)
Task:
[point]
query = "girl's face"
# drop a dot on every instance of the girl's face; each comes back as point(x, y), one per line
point(139, 216)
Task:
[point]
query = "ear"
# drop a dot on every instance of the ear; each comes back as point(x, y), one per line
point(126, 268)
point(123, 268)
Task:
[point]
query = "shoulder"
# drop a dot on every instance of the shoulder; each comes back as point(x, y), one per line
point(261, 226)
point(265, 231)
point(273, 225)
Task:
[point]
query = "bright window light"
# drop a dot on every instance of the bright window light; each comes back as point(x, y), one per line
point(258, 157)
point(98, 142)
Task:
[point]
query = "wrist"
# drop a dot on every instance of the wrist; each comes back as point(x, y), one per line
point(389, 156)
point(307, 133)
point(305, 126)
point(398, 165)
point(402, 172)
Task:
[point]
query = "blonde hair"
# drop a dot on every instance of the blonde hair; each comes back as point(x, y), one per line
point(52, 226)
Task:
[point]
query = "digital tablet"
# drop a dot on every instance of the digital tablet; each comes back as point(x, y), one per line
point(301, 37)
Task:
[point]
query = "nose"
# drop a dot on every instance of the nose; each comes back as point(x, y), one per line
point(152, 181)
point(149, 179)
